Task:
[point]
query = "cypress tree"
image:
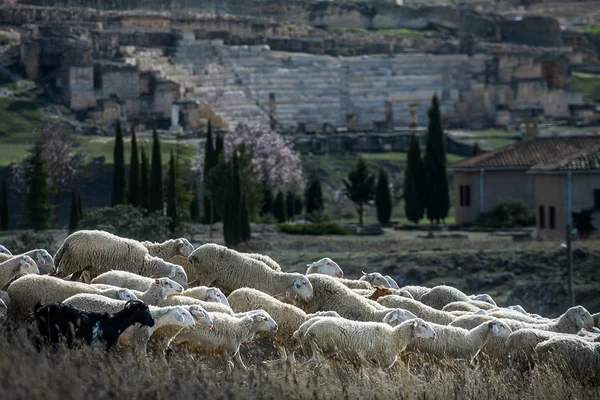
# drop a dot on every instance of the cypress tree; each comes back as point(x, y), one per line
point(279, 207)
point(233, 217)
point(360, 187)
point(290, 199)
point(144, 183)
point(134, 173)
point(437, 198)
point(38, 207)
point(79, 206)
point(171, 195)
point(74, 214)
point(219, 147)
point(245, 231)
point(209, 162)
point(414, 201)
point(298, 204)
point(314, 196)
point(156, 190)
point(4, 207)
point(383, 198)
point(118, 184)
point(195, 204)
point(267, 205)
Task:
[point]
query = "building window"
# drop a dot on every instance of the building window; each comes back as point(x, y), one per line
point(467, 195)
point(462, 195)
point(542, 217)
point(597, 199)
point(551, 217)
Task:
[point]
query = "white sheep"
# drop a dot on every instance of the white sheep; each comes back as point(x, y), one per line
point(124, 279)
point(392, 282)
point(331, 295)
point(572, 356)
point(520, 346)
point(441, 295)
point(229, 270)
point(518, 308)
point(205, 293)
point(365, 342)
point(375, 279)
point(458, 343)
point(42, 258)
point(4, 250)
point(15, 266)
point(355, 284)
point(169, 248)
point(99, 251)
point(274, 265)
point(421, 310)
point(31, 290)
point(516, 315)
point(177, 300)
point(470, 306)
point(416, 291)
point(159, 290)
point(325, 266)
point(227, 334)
point(483, 297)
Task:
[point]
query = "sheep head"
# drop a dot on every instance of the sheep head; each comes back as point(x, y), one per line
point(27, 265)
point(201, 316)
point(178, 316)
point(303, 288)
point(168, 286)
point(177, 273)
point(380, 291)
point(498, 328)
point(263, 322)
point(327, 266)
point(126, 295)
point(422, 329)
point(580, 317)
point(397, 316)
point(184, 247)
point(375, 279)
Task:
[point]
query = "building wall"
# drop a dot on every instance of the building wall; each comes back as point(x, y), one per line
point(123, 83)
point(504, 185)
point(551, 190)
point(80, 88)
point(463, 214)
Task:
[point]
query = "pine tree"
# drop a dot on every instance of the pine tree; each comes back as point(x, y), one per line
point(74, 214)
point(118, 184)
point(209, 162)
point(476, 149)
point(4, 207)
point(172, 195)
point(38, 207)
point(195, 204)
point(157, 196)
point(144, 183)
point(134, 173)
point(267, 205)
point(437, 198)
point(360, 187)
point(314, 196)
point(279, 207)
point(414, 200)
point(245, 231)
point(383, 198)
point(290, 199)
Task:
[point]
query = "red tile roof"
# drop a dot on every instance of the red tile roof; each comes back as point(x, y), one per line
point(531, 152)
point(583, 161)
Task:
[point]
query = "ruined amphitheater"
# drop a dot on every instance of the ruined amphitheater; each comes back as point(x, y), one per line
point(182, 62)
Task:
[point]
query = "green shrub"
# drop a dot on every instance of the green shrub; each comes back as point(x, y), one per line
point(30, 240)
point(318, 216)
point(582, 221)
point(319, 228)
point(127, 221)
point(507, 213)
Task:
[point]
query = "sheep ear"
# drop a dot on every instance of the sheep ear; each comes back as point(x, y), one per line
point(172, 273)
point(394, 317)
point(179, 244)
point(363, 272)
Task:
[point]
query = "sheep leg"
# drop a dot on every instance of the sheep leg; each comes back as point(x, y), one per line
point(76, 275)
point(238, 358)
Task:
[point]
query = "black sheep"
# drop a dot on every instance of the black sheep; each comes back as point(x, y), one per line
point(58, 320)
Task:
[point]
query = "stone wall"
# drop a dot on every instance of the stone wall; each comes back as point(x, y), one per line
point(533, 31)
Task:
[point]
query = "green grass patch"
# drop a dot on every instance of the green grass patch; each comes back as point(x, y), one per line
point(321, 228)
point(589, 84)
point(19, 119)
point(595, 30)
point(389, 31)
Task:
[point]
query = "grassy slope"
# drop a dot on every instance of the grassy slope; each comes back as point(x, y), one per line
point(589, 84)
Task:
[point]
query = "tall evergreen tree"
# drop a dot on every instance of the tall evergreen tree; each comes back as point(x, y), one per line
point(79, 207)
point(118, 184)
point(135, 195)
point(279, 207)
point(219, 146)
point(234, 200)
point(314, 196)
point(195, 204)
point(437, 198)
point(414, 199)
point(476, 149)
point(172, 195)
point(4, 207)
point(383, 198)
point(298, 204)
point(74, 214)
point(360, 187)
point(290, 199)
point(245, 230)
point(210, 159)
point(267, 205)
point(157, 196)
point(38, 207)
point(144, 183)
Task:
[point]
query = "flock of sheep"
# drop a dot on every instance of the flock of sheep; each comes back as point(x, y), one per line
point(212, 299)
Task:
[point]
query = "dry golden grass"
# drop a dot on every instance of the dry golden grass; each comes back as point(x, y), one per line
point(93, 374)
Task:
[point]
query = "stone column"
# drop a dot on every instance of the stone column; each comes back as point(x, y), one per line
point(414, 116)
point(272, 103)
